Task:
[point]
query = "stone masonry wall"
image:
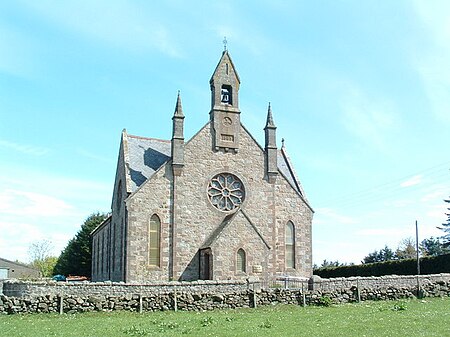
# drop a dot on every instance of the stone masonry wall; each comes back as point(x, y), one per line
point(29, 297)
point(154, 197)
point(196, 218)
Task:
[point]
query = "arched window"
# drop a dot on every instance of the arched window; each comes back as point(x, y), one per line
point(290, 245)
point(154, 232)
point(241, 261)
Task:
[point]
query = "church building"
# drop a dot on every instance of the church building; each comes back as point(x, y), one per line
point(215, 207)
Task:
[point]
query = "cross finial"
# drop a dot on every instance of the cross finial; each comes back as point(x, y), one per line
point(225, 43)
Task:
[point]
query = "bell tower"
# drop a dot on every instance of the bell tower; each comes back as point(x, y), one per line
point(225, 113)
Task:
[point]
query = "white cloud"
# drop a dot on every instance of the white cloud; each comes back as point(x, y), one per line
point(36, 206)
point(368, 118)
point(438, 193)
point(399, 203)
point(433, 59)
point(119, 23)
point(383, 232)
point(24, 203)
point(416, 180)
point(14, 51)
point(24, 148)
point(255, 42)
point(437, 213)
point(329, 217)
point(94, 156)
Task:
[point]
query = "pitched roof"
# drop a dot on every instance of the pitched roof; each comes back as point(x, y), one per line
point(145, 156)
point(287, 170)
point(8, 263)
point(224, 59)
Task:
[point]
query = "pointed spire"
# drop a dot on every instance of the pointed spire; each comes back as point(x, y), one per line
point(282, 143)
point(269, 122)
point(178, 107)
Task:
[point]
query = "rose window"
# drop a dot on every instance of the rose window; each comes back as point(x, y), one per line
point(226, 192)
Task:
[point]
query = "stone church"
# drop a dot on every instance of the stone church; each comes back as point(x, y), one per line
point(218, 206)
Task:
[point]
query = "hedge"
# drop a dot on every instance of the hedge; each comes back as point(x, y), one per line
point(428, 265)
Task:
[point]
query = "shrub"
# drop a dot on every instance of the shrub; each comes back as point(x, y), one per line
point(325, 301)
point(428, 265)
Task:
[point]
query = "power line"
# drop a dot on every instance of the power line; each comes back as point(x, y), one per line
point(390, 189)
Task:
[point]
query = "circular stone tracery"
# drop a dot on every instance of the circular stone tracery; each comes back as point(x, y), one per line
point(226, 192)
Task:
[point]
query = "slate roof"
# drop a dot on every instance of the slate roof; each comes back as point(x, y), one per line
point(145, 156)
point(287, 170)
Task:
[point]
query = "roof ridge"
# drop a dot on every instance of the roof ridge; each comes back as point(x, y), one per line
point(298, 185)
point(23, 264)
point(149, 138)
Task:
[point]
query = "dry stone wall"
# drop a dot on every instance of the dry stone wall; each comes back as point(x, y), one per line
point(32, 297)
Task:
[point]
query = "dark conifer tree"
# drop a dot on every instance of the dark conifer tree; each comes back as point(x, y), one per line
point(76, 258)
point(446, 228)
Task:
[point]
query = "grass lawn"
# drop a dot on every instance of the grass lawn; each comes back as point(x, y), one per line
point(429, 317)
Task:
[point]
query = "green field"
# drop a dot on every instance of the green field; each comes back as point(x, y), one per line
point(429, 317)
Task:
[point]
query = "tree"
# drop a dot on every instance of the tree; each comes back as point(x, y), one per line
point(433, 247)
point(446, 228)
point(76, 258)
point(406, 249)
point(330, 264)
point(385, 254)
point(39, 252)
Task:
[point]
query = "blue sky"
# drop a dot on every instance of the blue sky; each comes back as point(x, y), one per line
point(360, 91)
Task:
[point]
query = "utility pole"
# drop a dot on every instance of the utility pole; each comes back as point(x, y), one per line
point(418, 260)
point(417, 249)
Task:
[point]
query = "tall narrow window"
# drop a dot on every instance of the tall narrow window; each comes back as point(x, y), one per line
point(240, 261)
point(290, 245)
point(154, 241)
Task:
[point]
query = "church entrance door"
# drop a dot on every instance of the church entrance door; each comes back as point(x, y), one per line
point(206, 264)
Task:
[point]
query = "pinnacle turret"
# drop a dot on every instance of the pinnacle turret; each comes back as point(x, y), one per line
point(270, 147)
point(178, 107)
point(178, 138)
point(269, 122)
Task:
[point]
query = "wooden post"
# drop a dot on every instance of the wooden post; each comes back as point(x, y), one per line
point(140, 303)
point(418, 261)
point(303, 295)
point(358, 293)
point(61, 304)
point(254, 298)
point(175, 303)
